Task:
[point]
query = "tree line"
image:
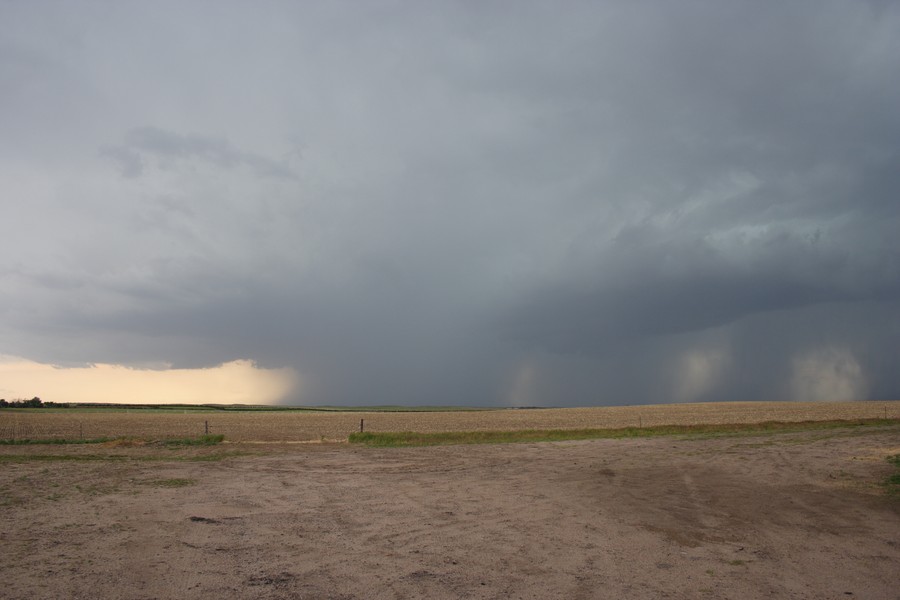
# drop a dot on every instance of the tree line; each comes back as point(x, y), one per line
point(33, 403)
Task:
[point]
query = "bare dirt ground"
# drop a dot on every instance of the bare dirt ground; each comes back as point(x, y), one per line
point(789, 515)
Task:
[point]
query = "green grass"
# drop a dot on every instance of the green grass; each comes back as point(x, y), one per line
point(56, 441)
point(203, 440)
point(411, 438)
point(892, 483)
point(176, 482)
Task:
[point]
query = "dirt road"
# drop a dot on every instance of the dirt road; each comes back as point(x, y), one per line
point(794, 515)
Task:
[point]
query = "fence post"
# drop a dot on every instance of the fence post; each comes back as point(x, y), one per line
point(206, 427)
point(361, 425)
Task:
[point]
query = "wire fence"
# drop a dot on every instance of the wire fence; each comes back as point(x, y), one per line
point(304, 426)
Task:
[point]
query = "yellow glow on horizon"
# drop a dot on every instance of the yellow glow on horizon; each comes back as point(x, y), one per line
point(236, 382)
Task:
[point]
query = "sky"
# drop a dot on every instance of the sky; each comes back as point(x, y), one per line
point(466, 203)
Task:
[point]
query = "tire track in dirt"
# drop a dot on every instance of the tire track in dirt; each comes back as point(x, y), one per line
point(748, 517)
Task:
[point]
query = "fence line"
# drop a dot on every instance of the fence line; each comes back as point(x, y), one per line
point(311, 426)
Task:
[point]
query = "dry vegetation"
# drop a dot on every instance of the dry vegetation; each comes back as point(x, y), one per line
point(800, 514)
point(803, 515)
point(304, 426)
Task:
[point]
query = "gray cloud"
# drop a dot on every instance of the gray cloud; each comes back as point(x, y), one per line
point(129, 161)
point(167, 147)
point(603, 202)
point(646, 286)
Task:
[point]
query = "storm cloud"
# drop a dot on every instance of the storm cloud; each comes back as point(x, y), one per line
point(449, 203)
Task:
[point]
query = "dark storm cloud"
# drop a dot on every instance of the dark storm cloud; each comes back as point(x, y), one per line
point(599, 202)
point(647, 287)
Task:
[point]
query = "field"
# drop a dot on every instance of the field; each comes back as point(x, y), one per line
point(780, 514)
point(305, 425)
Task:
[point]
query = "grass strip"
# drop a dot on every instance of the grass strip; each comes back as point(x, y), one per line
point(56, 441)
point(203, 440)
point(892, 483)
point(412, 438)
point(170, 483)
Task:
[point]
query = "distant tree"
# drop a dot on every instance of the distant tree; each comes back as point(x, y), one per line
point(33, 403)
point(3, 403)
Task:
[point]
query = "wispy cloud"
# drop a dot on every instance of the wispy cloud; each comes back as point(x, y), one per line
point(164, 148)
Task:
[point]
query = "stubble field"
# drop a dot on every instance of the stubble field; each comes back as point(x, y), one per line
point(306, 426)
